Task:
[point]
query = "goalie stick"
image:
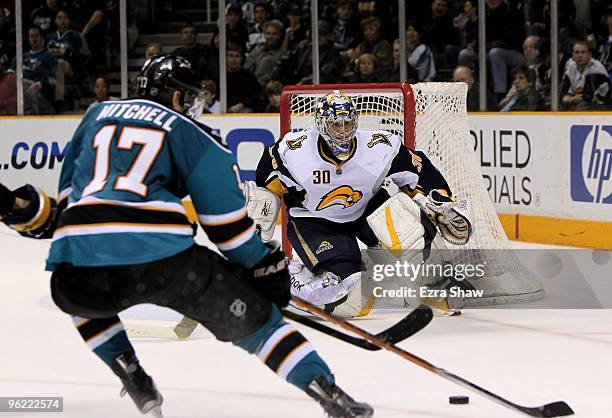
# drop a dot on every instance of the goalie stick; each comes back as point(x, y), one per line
point(408, 326)
point(554, 409)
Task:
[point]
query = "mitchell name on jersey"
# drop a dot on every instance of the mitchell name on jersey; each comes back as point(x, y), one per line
point(316, 184)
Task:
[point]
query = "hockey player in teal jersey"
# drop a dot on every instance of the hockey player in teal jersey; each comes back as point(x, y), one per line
point(121, 237)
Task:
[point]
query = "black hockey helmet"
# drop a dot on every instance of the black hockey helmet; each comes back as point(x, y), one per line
point(162, 75)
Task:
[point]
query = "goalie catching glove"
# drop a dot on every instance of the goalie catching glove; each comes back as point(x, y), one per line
point(449, 216)
point(262, 206)
point(271, 276)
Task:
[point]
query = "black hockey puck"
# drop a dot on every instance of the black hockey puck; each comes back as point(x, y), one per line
point(458, 400)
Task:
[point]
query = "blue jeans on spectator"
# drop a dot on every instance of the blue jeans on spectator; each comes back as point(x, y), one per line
point(501, 60)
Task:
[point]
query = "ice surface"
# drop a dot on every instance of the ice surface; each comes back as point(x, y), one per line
point(528, 356)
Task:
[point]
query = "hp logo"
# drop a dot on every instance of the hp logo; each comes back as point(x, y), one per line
point(591, 163)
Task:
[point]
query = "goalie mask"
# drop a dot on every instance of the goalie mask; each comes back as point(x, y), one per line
point(336, 119)
point(162, 75)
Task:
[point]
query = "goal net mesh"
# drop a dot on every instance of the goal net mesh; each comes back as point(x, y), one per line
point(442, 133)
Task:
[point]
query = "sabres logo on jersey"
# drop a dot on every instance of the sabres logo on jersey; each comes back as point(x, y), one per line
point(379, 139)
point(296, 143)
point(344, 196)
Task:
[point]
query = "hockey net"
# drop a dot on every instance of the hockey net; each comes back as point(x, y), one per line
point(432, 117)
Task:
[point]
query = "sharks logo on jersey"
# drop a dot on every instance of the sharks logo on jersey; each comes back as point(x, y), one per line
point(344, 196)
point(379, 139)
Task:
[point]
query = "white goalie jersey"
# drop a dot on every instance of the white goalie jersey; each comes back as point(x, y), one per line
point(313, 183)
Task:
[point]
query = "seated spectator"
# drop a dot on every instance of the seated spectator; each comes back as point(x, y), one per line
point(153, 49)
point(366, 70)
point(66, 45)
point(421, 64)
point(248, 12)
point(523, 96)
point(346, 34)
point(373, 43)
point(212, 105)
point(196, 53)
point(463, 74)
point(39, 66)
point(213, 58)
point(469, 32)
point(438, 27)
point(296, 32)
point(537, 17)
point(585, 84)
point(7, 40)
point(262, 14)
point(535, 51)
point(90, 18)
point(505, 35)
point(8, 95)
point(264, 57)
point(274, 89)
point(299, 68)
point(243, 89)
point(236, 31)
point(101, 87)
point(604, 48)
point(44, 16)
point(394, 75)
point(113, 25)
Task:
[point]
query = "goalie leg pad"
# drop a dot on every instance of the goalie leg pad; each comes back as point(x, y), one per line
point(397, 224)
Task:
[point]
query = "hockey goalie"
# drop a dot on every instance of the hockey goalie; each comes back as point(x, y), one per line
point(333, 179)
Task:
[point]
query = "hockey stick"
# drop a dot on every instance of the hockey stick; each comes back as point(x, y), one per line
point(408, 326)
point(185, 327)
point(554, 409)
point(153, 329)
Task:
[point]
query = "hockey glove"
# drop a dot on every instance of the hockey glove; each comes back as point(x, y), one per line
point(449, 216)
point(7, 201)
point(271, 276)
point(38, 215)
point(262, 206)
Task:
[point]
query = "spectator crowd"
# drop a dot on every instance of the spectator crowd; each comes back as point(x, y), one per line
point(68, 45)
point(269, 46)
